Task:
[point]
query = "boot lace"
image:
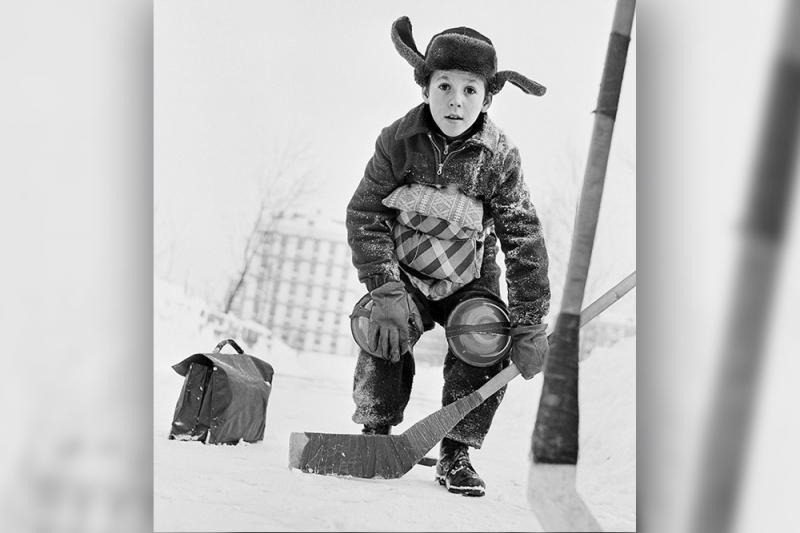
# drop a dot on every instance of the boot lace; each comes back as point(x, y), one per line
point(460, 462)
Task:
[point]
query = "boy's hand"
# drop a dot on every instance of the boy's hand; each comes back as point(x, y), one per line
point(529, 348)
point(388, 321)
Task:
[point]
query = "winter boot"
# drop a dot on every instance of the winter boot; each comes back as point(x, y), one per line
point(455, 472)
point(376, 430)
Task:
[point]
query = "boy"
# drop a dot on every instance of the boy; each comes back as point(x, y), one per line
point(420, 248)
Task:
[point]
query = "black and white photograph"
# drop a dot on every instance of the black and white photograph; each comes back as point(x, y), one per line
point(380, 201)
point(347, 265)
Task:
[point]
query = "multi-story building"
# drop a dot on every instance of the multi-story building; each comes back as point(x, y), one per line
point(303, 285)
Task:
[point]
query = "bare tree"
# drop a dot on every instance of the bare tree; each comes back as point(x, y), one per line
point(558, 209)
point(284, 184)
point(557, 206)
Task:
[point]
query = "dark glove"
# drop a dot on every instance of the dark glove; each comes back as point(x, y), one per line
point(529, 348)
point(389, 321)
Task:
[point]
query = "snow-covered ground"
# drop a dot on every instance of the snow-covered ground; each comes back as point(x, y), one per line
point(249, 487)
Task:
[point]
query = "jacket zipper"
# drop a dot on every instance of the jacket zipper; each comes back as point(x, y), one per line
point(438, 155)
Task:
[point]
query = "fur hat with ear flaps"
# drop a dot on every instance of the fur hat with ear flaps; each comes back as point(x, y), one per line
point(457, 49)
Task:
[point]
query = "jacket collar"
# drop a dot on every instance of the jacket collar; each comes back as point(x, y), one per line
point(417, 122)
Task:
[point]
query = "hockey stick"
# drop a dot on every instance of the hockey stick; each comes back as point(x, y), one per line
point(392, 456)
point(722, 470)
point(554, 447)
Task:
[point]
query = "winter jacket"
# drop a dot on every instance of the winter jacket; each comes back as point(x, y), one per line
point(485, 166)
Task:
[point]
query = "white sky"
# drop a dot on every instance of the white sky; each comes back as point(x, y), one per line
point(234, 80)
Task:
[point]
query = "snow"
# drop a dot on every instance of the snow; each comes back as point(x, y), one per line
point(249, 487)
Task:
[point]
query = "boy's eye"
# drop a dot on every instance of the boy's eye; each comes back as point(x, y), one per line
point(470, 90)
point(444, 86)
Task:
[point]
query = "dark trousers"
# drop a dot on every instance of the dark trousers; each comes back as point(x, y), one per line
point(381, 389)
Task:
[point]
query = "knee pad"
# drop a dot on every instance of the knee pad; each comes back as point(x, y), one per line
point(359, 323)
point(478, 332)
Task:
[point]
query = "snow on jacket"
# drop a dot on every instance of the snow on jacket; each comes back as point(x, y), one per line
point(485, 166)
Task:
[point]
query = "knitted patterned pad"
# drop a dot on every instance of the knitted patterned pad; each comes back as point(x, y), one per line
point(453, 207)
point(453, 260)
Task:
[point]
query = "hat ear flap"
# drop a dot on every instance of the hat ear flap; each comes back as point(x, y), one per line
point(403, 41)
point(527, 85)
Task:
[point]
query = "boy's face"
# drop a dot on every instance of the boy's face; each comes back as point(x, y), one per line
point(456, 99)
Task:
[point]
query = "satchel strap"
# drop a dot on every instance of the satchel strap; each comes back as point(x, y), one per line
point(228, 341)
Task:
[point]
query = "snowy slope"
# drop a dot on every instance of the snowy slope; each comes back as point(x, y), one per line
point(249, 487)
